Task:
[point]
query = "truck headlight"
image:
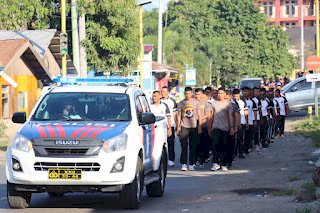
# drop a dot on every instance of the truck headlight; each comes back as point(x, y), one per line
point(117, 143)
point(21, 143)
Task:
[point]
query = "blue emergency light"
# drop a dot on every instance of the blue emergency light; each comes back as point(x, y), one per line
point(109, 80)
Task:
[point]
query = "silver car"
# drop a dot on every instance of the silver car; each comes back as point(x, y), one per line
point(300, 94)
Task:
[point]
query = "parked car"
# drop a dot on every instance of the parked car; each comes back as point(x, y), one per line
point(251, 82)
point(300, 94)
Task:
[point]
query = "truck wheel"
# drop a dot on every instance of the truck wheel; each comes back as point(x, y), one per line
point(130, 196)
point(55, 194)
point(156, 189)
point(16, 199)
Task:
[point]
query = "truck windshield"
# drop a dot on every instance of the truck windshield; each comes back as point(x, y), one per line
point(83, 107)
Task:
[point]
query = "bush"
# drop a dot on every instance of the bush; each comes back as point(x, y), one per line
point(310, 129)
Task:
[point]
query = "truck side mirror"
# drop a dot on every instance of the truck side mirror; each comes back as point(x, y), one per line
point(146, 118)
point(19, 117)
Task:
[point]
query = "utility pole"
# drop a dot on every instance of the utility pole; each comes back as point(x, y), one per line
point(318, 54)
point(83, 54)
point(63, 30)
point(302, 37)
point(75, 35)
point(141, 46)
point(160, 33)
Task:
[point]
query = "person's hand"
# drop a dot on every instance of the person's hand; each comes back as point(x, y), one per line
point(178, 130)
point(169, 132)
point(199, 129)
point(232, 131)
point(210, 133)
point(247, 126)
point(255, 124)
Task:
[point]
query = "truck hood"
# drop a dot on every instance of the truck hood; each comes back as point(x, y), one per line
point(103, 130)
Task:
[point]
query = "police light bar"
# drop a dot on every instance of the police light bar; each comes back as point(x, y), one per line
point(60, 80)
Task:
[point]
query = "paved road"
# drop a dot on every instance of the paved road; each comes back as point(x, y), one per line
point(203, 190)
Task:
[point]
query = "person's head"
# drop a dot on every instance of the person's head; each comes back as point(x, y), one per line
point(263, 92)
point(236, 94)
point(222, 94)
point(156, 97)
point(208, 92)
point(271, 93)
point(228, 96)
point(277, 93)
point(277, 79)
point(69, 108)
point(165, 92)
point(215, 94)
point(246, 92)
point(188, 93)
point(256, 91)
point(199, 94)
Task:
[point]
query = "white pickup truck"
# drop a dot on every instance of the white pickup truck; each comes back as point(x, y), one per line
point(82, 138)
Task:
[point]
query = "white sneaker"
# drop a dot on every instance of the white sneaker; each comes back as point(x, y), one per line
point(257, 148)
point(191, 167)
point(215, 167)
point(171, 163)
point(224, 168)
point(184, 167)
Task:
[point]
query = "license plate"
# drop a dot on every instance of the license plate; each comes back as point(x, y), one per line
point(65, 174)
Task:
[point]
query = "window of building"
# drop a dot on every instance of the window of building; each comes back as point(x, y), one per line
point(22, 100)
point(268, 8)
point(289, 24)
point(5, 102)
point(291, 7)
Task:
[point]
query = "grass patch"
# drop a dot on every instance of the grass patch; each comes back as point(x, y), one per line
point(284, 192)
point(307, 209)
point(310, 128)
point(294, 178)
point(4, 144)
point(310, 186)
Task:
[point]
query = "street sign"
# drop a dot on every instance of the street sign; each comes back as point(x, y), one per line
point(313, 62)
point(313, 77)
point(191, 77)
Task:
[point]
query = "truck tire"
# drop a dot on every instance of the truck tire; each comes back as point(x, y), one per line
point(56, 194)
point(156, 189)
point(130, 196)
point(16, 199)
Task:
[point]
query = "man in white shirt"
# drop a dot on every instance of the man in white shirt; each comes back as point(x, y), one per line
point(243, 121)
point(161, 109)
point(173, 108)
point(283, 111)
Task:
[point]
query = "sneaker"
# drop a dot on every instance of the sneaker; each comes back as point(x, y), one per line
point(260, 145)
point(197, 163)
point(171, 163)
point(184, 167)
point(208, 160)
point(215, 167)
point(224, 168)
point(249, 150)
point(257, 148)
point(191, 167)
point(282, 135)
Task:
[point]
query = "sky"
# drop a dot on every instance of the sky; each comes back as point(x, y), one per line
point(155, 4)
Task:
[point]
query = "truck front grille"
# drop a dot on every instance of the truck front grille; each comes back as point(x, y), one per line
point(60, 151)
point(88, 167)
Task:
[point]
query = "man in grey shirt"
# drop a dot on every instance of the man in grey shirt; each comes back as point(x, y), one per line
point(188, 127)
point(222, 127)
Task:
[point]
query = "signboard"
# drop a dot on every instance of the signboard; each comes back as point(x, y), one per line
point(313, 62)
point(313, 77)
point(143, 2)
point(191, 77)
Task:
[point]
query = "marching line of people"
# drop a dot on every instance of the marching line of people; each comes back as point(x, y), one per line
point(220, 125)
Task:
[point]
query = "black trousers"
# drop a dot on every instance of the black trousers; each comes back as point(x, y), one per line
point(204, 146)
point(240, 140)
point(223, 147)
point(170, 140)
point(280, 124)
point(264, 127)
point(257, 133)
point(249, 134)
point(188, 137)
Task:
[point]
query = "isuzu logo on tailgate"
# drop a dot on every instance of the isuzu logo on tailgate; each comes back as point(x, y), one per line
point(66, 142)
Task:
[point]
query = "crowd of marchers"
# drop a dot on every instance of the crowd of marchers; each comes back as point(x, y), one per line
point(220, 125)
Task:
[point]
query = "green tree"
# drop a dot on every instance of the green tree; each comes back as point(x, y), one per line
point(112, 34)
